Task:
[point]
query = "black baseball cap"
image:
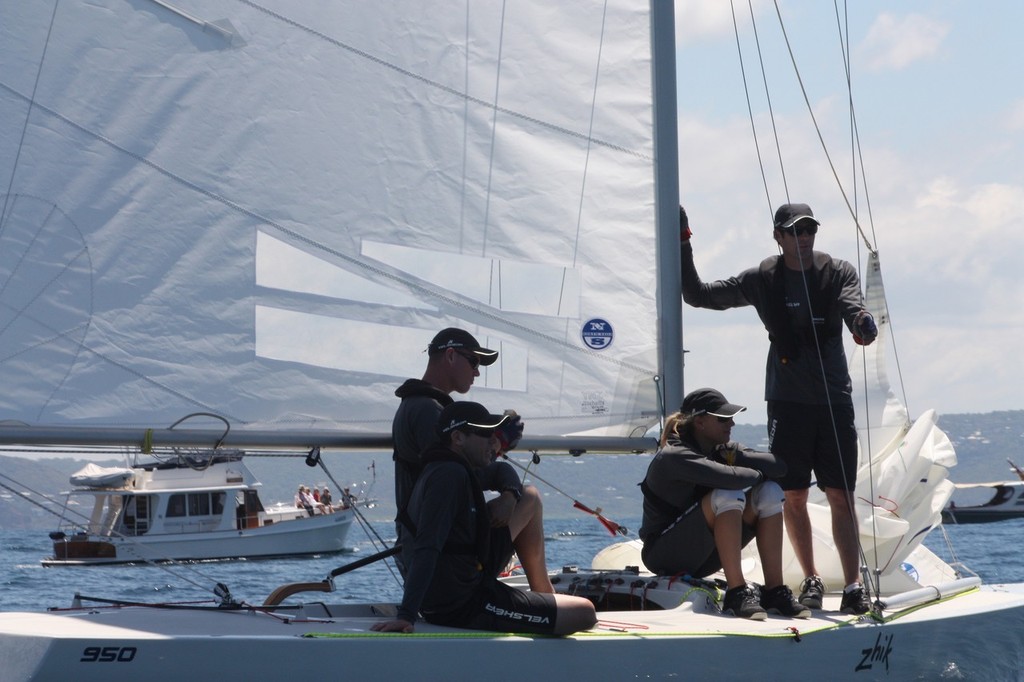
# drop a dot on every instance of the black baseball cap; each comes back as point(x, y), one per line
point(464, 414)
point(453, 337)
point(709, 401)
point(790, 214)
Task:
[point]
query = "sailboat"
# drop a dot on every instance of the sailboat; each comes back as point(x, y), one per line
point(263, 209)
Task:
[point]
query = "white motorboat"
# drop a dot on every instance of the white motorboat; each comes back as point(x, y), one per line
point(186, 507)
point(262, 208)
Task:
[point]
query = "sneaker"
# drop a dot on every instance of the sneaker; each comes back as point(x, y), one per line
point(742, 602)
point(855, 601)
point(780, 600)
point(811, 592)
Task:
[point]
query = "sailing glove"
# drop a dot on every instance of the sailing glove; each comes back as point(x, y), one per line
point(865, 330)
point(684, 226)
point(509, 432)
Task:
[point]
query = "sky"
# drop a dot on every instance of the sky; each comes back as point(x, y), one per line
point(938, 96)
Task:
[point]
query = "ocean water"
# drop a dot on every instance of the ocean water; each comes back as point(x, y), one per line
point(990, 550)
point(26, 585)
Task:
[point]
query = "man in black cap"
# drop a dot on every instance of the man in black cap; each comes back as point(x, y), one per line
point(803, 297)
point(453, 360)
point(454, 553)
point(705, 498)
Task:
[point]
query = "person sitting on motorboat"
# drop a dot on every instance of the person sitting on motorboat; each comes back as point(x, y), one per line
point(705, 498)
point(304, 502)
point(311, 506)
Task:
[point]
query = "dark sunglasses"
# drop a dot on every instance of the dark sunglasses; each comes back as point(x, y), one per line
point(483, 433)
point(724, 420)
point(472, 358)
point(800, 231)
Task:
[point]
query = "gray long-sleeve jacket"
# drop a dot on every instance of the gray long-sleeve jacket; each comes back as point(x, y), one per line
point(780, 297)
point(680, 475)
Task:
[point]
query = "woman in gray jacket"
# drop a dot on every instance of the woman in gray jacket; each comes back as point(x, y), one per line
point(705, 498)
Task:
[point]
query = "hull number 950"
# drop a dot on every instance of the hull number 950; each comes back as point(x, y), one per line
point(108, 654)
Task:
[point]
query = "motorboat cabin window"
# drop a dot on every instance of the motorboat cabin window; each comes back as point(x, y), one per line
point(195, 504)
point(176, 505)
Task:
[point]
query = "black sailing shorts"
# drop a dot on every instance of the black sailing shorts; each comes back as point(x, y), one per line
point(498, 607)
point(804, 438)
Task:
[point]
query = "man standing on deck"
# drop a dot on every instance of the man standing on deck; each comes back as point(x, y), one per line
point(453, 360)
point(803, 297)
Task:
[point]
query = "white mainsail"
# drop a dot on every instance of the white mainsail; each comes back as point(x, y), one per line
point(266, 210)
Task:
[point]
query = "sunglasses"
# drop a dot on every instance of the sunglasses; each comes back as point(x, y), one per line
point(483, 433)
point(800, 231)
point(472, 358)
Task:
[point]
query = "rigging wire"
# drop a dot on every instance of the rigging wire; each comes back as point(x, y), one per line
point(857, 159)
point(869, 585)
point(611, 526)
point(379, 543)
point(855, 156)
point(817, 130)
point(851, 198)
point(750, 110)
point(857, 162)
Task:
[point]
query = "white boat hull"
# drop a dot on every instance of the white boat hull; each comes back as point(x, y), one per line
point(977, 635)
point(320, 534)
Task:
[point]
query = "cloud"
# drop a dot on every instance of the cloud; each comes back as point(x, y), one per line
point(1014, 119)
point(946, 198)
point(711, 19)
point(896, 42)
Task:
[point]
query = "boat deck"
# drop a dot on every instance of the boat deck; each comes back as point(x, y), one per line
point(151, 641)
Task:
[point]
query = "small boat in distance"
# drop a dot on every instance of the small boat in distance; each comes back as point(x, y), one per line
point(186, 507)
point(985, 502)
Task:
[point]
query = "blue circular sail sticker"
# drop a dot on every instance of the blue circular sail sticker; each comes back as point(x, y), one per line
point(597, 334)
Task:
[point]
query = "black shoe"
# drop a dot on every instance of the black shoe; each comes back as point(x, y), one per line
point(780, 600)
point(811, 592)
point(742, 602)
point(855, 601)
